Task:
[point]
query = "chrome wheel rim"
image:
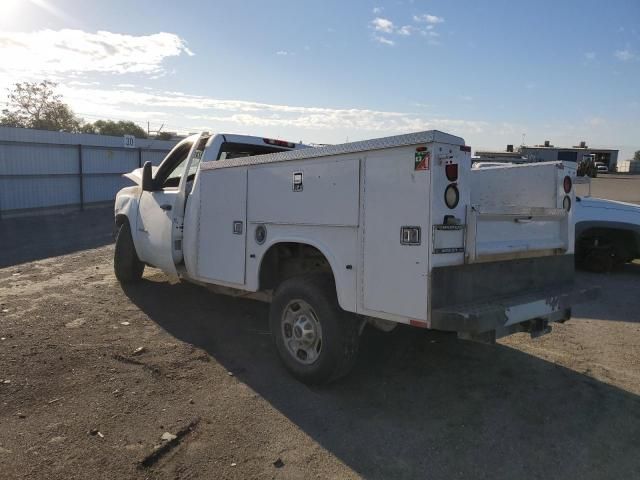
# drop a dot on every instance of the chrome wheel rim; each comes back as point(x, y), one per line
point(301, 332)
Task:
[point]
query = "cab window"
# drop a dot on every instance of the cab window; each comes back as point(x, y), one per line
point(172, 168)
point(173, 179)
point(229, 150)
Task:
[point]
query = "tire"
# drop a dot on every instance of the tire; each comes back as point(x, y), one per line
point(599, 260)
point(622, 253)
point(126, 264)
point(304, 310)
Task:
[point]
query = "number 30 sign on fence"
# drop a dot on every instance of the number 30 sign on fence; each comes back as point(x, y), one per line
point(129, 141)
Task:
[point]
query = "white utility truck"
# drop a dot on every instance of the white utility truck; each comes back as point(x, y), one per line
point(383, 231)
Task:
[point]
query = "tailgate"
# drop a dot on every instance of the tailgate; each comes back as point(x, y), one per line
point(517, 211)
point(516, 232)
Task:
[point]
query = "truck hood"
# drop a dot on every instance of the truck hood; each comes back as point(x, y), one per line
point(589, 208)
point(136, 175)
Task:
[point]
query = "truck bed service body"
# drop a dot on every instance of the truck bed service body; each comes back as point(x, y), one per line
point(384, 231)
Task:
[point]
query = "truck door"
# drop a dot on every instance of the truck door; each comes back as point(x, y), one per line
point(222, 226)
point(161, 211)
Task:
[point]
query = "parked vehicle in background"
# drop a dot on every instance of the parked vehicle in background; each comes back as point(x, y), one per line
point(601, 167)
point(396, 230)
point(607, 233)
point(490, 164)
point(587, 166)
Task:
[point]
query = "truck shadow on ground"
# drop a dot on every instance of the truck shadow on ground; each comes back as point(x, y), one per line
point(420, 404)
point(24, 239)
point(615, 302)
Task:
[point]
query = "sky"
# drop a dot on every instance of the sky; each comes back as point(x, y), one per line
point(494, 72)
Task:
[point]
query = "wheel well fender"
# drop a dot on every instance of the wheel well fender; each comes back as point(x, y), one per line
point(121, 218)
point(267, 257)
point(629, 234)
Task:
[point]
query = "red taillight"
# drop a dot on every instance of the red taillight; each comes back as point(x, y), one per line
point(418, 323)
point(566, 184)
point(452, 172)
point(279, 143)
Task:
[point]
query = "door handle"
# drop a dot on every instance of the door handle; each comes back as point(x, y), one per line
point(166, 207)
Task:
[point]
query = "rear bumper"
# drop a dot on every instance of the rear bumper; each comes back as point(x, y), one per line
point(505, 296)
point(508, 315)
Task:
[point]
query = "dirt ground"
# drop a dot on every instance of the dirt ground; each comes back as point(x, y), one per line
point(92, 376)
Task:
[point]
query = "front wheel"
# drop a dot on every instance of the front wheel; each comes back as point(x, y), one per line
point(126, 264)
point(317, 341)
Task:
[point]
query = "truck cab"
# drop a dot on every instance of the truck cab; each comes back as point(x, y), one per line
point(149, 207)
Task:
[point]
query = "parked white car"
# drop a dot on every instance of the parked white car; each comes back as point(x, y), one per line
point(387, 231)
point(602, 167)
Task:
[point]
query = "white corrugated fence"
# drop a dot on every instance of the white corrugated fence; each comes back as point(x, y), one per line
point(41, 170)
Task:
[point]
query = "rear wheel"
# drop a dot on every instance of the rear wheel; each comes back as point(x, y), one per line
point(126, 264)
point(317, 341)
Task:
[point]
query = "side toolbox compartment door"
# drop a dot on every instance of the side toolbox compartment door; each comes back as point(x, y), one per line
point(223, 225)
point(396, 195)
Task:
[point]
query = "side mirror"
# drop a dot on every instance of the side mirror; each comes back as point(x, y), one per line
point(147, 180)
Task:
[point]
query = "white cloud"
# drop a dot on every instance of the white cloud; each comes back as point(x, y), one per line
point(71, 52)
point(377, 10)
point(282, 53)
point(382, 25)
point(383, 40)
point(426, 18)
point(239, 115)
point(83, 84)
point(426, 26)
point(348, 121)
point(590, 55)
point(625, 55)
